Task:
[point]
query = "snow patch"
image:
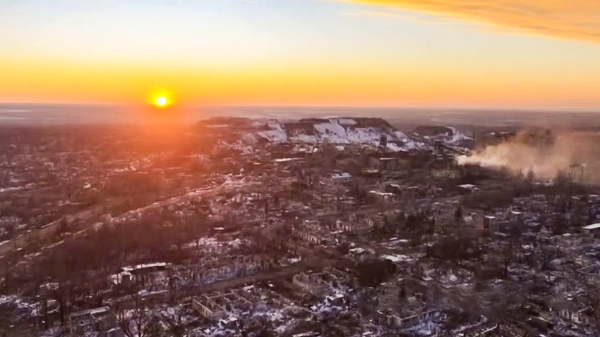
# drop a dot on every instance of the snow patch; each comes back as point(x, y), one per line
point(457, 136)
point(275, 135)
point(332, 129)
point(302, 138)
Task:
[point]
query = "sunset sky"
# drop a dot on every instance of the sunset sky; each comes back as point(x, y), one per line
point(405, 53)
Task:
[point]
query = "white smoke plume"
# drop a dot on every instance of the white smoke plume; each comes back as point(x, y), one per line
point(546, 158)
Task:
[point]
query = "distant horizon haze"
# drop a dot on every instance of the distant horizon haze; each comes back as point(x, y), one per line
point(61, 114)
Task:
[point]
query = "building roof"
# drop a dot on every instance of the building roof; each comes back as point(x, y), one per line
point(343, 175)
point(145, 266)
point(594, 226)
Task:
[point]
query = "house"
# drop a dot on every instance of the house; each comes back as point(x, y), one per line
point(341, 177)
point(468, 187)
point(576, 317)
point(489, 223)
point(229, 267)
point(219, 305)
point(383, 196)
point(310, 284)
point(354, 226)
point(306, 236)
point(100, 321)
point(310, 231)
point(407, 321)
point(208, 308)
point(140, 274)
point(358, 253)
point(318, 284)
point(592, 229)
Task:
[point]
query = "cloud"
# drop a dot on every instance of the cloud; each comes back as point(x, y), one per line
point(416, 18)
point(373, 13)
point(568, 19)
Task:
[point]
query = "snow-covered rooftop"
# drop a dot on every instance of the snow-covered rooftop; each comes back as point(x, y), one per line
point(594, 226)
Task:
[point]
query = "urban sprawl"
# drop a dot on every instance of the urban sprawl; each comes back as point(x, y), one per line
point(270, 227)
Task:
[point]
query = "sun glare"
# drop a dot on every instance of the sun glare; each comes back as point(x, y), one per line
point(161, 101)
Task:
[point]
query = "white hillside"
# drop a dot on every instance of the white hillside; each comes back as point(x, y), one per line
point(339, 131)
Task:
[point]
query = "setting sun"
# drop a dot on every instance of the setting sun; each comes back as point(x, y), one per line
point(161, 101)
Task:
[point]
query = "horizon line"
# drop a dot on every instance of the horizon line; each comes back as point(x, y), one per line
point(355, 107)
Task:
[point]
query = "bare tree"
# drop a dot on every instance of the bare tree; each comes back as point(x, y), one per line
point(502, 304)
point(61, 294)
point(176, 326)
point(508, 254)
point(135, 322)
point(7, 262)
point(547, 255)
point(593, 299)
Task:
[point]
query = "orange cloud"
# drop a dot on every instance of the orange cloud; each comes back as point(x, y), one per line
point(569, 19)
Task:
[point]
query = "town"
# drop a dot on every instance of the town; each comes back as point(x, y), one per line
point(309, 227)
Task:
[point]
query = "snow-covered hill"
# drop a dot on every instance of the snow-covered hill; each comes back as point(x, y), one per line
point(340, 131)
point(372, 132)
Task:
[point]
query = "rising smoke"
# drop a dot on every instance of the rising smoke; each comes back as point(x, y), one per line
point(546, 155)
